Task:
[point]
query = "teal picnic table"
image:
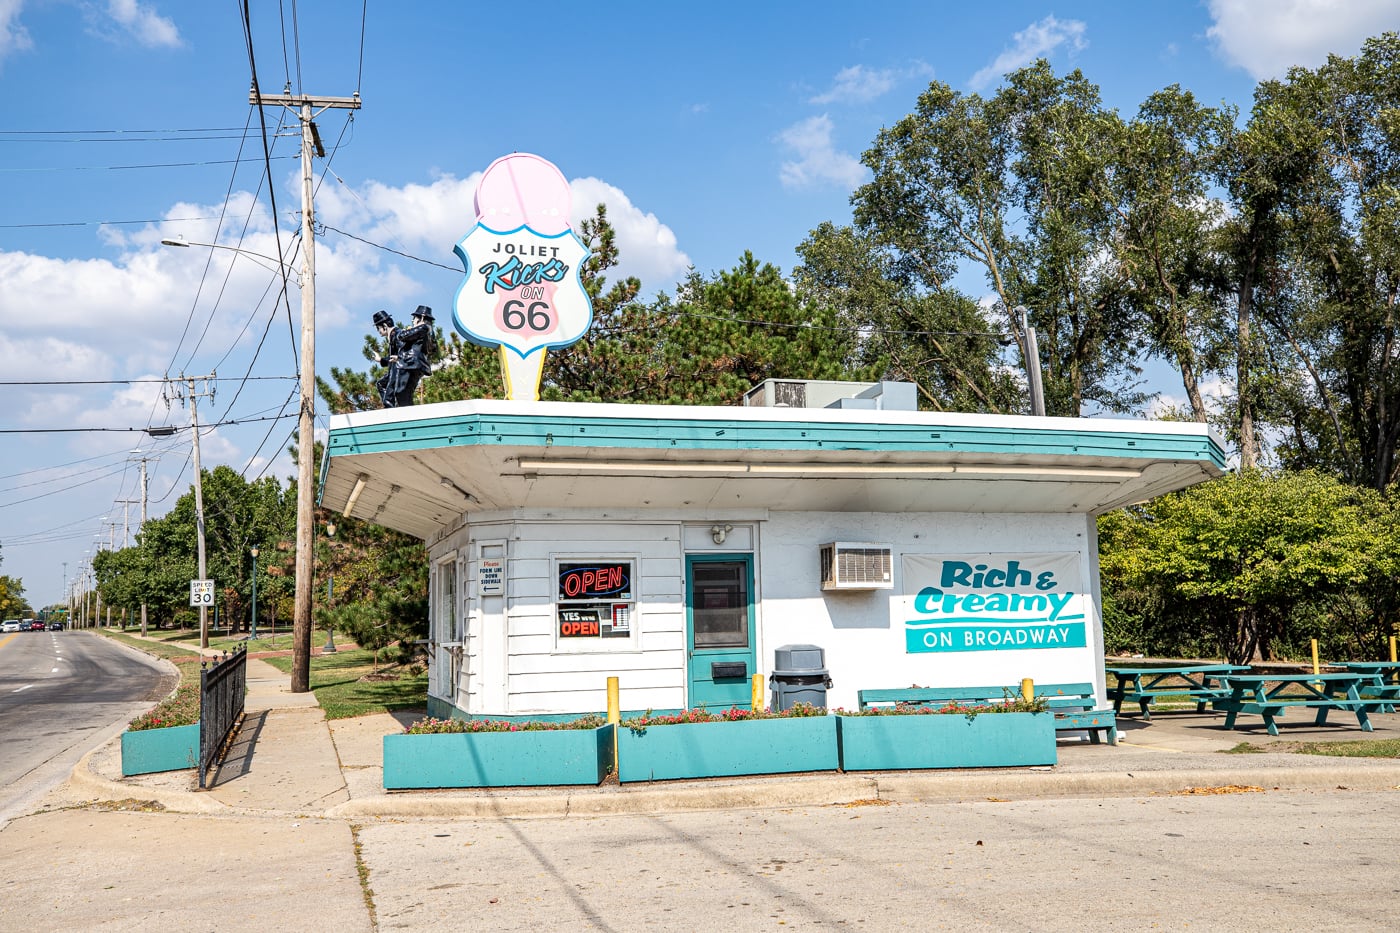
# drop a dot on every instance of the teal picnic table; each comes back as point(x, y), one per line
point(1382, 680)
point(1142, 685)
point(1270, 695)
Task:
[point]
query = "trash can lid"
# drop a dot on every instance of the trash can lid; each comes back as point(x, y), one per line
point(799, 657)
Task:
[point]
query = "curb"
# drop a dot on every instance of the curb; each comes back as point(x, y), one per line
point(85, 778)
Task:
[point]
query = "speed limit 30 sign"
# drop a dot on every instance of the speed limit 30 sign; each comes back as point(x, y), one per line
point(201, 592)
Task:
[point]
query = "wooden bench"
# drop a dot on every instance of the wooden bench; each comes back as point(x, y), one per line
point(1072, 704)
point(1271, 695)
point(1142, 685)
point(1382, 681)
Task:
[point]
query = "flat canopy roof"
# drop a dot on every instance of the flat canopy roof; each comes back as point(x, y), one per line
point(418, 469)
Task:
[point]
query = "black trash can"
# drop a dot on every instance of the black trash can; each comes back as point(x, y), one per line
point(799, 676)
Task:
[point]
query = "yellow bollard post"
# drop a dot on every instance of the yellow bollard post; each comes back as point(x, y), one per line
point(757, 698)
point(614, 714)
point(1316, 668)
point(1392, 649)
point(1027, 689)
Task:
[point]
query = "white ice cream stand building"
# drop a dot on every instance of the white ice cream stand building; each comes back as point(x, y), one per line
point(685, 549)
point(679, 548)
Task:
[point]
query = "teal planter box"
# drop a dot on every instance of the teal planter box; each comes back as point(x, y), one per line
point(150, 750)
point(498, 759)
point(717, 749)
point(946, 740)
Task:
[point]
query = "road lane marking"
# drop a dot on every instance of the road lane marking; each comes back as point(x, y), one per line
point(25, 687)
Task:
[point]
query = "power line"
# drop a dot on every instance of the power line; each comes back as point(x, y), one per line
point(123, 168)
point(173, 428)
point(104, 223)
point(204, 129)
point(129, 382)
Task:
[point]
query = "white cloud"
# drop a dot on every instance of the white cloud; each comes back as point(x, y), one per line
point(429, 220)
point(1267, 37)
point(1035, 41)
point(858, 84)
point(13, 36)
point(647, 248)
point(143, 23)
point(818, 161)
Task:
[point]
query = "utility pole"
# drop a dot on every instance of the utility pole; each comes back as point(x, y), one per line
point(126, 519)
point(141, 528)
point(305, 109)
point(191, 393)
point(1032, 354)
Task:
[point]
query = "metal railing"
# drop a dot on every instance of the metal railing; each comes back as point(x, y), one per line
point(222, 689)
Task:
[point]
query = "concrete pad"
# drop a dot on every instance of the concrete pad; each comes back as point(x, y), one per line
point(269, 688)
point(282, 759)
point(111, 871)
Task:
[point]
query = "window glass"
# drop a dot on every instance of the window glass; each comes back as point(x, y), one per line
point(719, 601)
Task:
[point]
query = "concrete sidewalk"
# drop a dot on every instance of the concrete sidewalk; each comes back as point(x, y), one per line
point(289, 760)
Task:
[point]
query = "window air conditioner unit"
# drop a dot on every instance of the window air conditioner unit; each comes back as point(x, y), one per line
point(849, 565)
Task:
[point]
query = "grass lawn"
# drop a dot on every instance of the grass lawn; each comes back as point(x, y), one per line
point(281, 640)
point(1379, 748)
point(186, 659)
point(336, 679)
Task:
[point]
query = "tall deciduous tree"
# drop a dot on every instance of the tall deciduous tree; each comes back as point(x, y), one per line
point(1167, 248)
point(1016, 187)
point(1333, 168)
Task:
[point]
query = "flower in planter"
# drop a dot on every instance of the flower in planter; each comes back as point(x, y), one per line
point(733, 714)
point(1012, 704)
point(431, 726)
point(181, 709)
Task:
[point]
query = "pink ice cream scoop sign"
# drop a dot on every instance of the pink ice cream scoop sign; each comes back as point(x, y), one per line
point(522, 291)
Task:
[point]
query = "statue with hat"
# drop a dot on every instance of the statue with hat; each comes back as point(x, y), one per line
point(406, 357)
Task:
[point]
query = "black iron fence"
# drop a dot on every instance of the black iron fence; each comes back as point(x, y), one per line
point(222, 689)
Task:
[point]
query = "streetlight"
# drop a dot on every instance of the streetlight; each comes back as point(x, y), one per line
point(306, 446)
point(329, 646)
point(253, 630)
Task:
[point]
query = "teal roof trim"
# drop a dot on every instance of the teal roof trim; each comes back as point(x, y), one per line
point(488, 430)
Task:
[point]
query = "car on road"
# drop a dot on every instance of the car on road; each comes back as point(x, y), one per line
point(9, 625)
point(36, 625)
point(55, 626)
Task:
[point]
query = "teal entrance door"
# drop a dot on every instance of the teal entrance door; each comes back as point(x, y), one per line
point(719, 630)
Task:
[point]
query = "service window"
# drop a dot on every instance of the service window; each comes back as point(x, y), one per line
point(595, 600)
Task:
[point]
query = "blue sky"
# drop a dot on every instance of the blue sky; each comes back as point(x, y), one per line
point(708, 130)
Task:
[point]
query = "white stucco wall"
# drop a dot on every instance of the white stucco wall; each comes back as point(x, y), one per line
point(862, 631)
point(515, 663)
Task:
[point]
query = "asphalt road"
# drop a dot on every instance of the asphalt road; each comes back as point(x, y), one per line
point(63, 694)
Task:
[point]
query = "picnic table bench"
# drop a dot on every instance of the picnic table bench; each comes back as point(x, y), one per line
point(1271, 695)
point(1072, 704)
point(1382, 681)
point(1142, 685)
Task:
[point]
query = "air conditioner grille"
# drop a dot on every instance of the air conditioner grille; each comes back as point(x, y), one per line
point(856, 566)
point(864, 565)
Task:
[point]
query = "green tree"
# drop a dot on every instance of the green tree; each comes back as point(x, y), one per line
point(1242, 566)
point(12, 601)
point(938, 340)
point(1016, 187)
point(1167, 251)
point(1333, 172)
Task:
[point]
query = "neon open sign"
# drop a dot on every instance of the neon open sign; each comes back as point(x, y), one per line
point(590, 581)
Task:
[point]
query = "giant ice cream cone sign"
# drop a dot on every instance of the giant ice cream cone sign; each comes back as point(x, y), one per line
point(522, 291)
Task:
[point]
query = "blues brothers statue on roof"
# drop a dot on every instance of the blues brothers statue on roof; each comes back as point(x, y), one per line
point(406, 355)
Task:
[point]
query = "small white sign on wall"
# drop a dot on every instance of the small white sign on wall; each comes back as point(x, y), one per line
point(491, 576)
